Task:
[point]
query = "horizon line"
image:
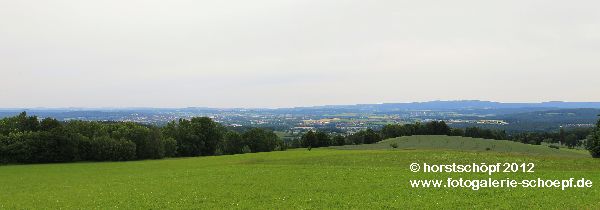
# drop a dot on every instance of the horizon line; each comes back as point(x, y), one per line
point(310, 106)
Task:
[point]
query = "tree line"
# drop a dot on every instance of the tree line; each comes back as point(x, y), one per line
point(313, 139)
point(26, 139)
point(321, 138)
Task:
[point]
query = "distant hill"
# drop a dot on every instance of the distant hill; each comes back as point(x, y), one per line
point(551, 119)
point(546, 120)
point(462, 105)
point(475, 107)
point(430, 105)
point(585, 115)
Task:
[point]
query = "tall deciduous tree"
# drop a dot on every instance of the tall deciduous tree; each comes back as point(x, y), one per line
point(260, 140)
point(198, 136)
point(309, 139)
point(593, 142)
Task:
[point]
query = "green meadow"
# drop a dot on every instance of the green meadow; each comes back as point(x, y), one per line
point(356, 177)
point(468, 144)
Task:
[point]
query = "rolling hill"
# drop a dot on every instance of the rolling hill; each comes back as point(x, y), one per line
point(466, 144)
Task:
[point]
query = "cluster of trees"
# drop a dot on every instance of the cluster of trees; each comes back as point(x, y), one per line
point(313, 139)
point(253, 140)
point(320, 139)
point(26, 139)
point(364, 137)
point(593, 142)
point(440, 128)
point(476, 132)
point(568, 137)
point(430, 128)
point(323, 139)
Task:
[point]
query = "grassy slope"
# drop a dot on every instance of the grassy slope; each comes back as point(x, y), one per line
point(468, 144)
point(321, 178)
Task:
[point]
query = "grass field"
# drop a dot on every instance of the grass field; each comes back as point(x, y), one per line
point(325, 178)
point(468, 144)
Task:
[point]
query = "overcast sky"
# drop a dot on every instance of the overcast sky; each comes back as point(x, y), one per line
point(281, 53)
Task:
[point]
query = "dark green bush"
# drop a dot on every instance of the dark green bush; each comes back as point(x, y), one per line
point(260, 140)
point(108, 149)
point(170, 147)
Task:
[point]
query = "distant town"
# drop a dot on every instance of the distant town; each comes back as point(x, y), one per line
point(352, 118)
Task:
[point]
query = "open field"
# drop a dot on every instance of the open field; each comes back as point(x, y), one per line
point(321, 178)
point(467, 144)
